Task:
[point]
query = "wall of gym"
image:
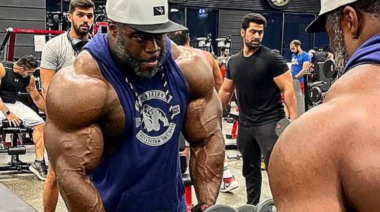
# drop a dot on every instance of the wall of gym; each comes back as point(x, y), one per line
point(28, 14)
point(221, 18)
point(284, 25)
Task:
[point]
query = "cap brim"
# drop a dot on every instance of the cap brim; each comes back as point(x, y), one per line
point(318, 25)
point(170, 26)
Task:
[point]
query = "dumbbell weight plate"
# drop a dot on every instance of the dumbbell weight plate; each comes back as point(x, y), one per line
point(329, 69)
point(220, 208)
point(281, 125)
point(315, 94)
point(247, 208)
point(266, 206)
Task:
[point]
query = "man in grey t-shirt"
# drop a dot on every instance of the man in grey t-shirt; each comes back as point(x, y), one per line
point(57, 54)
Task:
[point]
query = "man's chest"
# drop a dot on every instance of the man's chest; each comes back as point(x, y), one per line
point(250, 72)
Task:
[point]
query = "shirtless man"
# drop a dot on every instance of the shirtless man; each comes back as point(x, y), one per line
point(104, 156)
point(328, 160)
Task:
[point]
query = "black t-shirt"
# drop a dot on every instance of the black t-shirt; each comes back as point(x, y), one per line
point(12, 84)
point(259, 98)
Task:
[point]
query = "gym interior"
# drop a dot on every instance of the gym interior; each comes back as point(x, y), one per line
point(214, 25)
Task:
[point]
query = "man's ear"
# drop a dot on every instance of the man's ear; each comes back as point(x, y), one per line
point(112, 29)
point(70, 17)
point(351, 21)
point(242, 33)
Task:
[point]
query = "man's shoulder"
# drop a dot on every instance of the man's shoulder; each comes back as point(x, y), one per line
point(305, 55)
point(56, 41)
point(76, 89)
point(84, 72)
point(234, 57)
point(193, 63)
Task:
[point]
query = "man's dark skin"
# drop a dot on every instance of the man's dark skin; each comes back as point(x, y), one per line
point(328, 160)
point(82, 128)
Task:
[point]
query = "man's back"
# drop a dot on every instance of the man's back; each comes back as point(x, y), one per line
point(338, 164)
point(218, 80)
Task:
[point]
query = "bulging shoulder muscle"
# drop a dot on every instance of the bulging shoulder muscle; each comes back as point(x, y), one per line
point(77, 94)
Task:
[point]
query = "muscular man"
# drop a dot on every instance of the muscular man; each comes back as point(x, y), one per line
point(182, 38)
point(104, 156)
point(300, 62)
point(15, 78)
point(259, 75)
point(59, 53)
point(328, 159)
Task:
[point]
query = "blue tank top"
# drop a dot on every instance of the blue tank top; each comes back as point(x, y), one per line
point(143, 172)
point(367, 53)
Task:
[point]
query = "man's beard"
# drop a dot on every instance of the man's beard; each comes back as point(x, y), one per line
point(252, 46)
point(79, 31)
point(124, 57)
point(338, 45)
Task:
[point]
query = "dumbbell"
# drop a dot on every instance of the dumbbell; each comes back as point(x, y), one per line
point(281, 125)
point(246, 208)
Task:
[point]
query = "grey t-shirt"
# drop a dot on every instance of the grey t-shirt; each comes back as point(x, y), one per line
point(57, 53)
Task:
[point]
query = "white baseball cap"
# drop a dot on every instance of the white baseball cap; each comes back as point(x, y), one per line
point(149, 16)
point(319, 24)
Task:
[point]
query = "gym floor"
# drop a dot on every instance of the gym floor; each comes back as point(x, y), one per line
point(29, 188)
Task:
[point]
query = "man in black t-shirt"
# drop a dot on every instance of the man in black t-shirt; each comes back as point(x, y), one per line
point(16, 78)
point(259, 75)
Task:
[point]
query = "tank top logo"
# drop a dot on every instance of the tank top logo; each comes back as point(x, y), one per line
point(155, 120)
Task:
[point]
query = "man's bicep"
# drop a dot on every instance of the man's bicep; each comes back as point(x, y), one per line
point(76, 151)
point(218, 80)
point(284, 81)
point(228, 86)
point(46, 76)
point(306, 65)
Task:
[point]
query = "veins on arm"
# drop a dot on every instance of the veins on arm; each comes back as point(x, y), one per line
point(202, 129)
point(73, 139)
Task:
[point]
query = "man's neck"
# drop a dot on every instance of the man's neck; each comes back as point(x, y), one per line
point(16, 68)
point(248, 52)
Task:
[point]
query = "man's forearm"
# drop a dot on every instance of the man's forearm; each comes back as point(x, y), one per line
point(224, 97)
point(40, 102)
point(301, 73)
point(206, 168)
point(291, 103)
point(3, 108)
point(78, 192)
